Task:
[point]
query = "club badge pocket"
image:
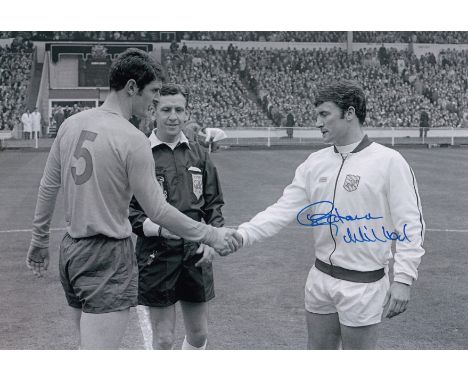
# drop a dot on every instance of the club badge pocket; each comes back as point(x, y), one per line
point(197, 181)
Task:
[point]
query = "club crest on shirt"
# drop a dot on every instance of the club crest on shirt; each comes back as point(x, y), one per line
point(351, 182)
point(161, 181)
point(197, 181)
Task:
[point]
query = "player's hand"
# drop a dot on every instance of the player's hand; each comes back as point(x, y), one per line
point(396, 300)
point(229, 243)
point(208, 255)
point(168, 234)
point(233, 241)
point(37, 260)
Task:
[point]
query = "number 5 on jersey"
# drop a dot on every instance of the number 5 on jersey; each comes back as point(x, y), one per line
point(83, 152)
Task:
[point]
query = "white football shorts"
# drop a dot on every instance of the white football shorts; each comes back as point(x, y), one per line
point(357, 304)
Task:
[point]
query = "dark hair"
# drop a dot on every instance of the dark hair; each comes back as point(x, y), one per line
point(344, 94)
point(173, 89)
point(134, 64)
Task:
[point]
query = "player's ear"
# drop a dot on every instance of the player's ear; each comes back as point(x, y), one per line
point(131, 87)
point(350, 113)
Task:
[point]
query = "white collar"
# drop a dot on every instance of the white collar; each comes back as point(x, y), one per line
point(347, 148)
point(155, 141)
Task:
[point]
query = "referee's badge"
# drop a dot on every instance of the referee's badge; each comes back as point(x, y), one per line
point(197, 181)
point(351, 182)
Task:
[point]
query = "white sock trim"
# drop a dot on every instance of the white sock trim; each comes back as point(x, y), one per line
point(187, 346)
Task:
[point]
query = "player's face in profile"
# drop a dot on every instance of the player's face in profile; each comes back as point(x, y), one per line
point(331, 123)
point(171, 115)
point(144, 98)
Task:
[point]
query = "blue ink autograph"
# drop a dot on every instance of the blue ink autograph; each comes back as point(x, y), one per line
point(333, 218)
point(362, 237)
point(314, 220)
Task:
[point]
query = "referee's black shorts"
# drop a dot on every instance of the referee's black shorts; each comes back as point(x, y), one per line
point(168, 274)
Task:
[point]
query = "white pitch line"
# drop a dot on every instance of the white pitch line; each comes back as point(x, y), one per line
point(63, 229)
point(143, 318)
point(29, 230)
point(447, 230)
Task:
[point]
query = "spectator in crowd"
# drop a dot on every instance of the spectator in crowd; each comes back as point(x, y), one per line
point(76, 109)
point(423, 123)
point(36, 123)
point(174, 46)
point(464, 122)
point(26, 119)
point(59, 117)
point(212, 135)
point(290, 123)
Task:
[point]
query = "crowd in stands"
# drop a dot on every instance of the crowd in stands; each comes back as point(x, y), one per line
point(95, 36)
point(133, 36)
point(19, 43)
point(289, 36)
point(157, 36)
point(429, 37)
point(421, 37)
point(398, 84)
point(275, 87)
point(218, 98)
point(15, 68)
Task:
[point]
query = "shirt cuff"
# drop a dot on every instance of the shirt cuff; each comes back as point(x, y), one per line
point(245, 238)
point(404, 279)
point(150, 228)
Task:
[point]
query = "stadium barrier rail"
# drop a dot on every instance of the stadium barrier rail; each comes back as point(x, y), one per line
point(392, 136)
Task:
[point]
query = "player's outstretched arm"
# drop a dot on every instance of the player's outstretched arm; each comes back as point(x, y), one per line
point(46, 197)
point(37, 260)
point(270, 221)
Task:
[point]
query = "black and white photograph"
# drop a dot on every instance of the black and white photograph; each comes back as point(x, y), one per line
point(210, 189)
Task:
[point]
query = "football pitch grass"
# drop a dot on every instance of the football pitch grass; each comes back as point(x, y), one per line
point(259, 290)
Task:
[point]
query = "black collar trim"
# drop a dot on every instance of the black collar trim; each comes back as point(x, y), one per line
point(361, 146)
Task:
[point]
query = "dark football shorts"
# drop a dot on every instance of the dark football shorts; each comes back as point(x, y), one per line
point(168, 274)
point(99, 274)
